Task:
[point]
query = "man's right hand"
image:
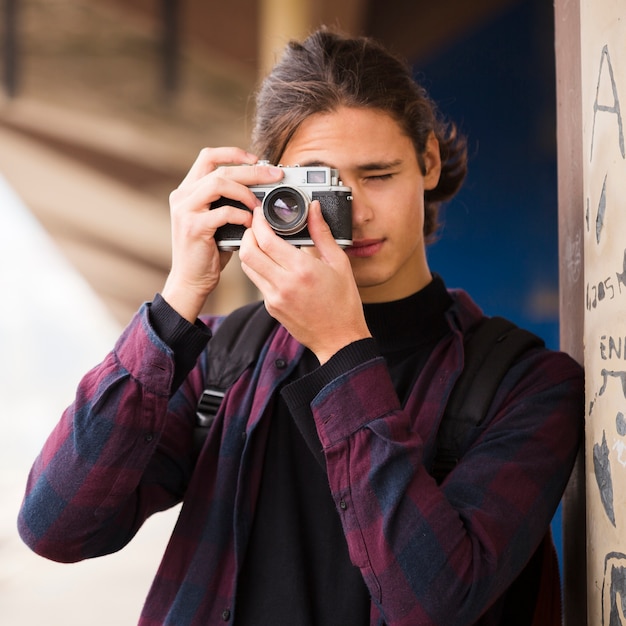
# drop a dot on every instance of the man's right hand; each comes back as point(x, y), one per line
point(197, 262)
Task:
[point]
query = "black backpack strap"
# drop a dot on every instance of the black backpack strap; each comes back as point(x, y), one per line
point(235, 345)
point(490, 351)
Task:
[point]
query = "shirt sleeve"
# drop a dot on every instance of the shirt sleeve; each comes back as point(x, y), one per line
point(434, 554)
point(120, 452)
point(185, 339)
point(299, 394)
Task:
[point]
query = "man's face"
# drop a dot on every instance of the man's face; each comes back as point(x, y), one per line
point(378, 161)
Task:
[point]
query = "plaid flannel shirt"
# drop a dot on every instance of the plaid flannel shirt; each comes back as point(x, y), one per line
point(428, 554)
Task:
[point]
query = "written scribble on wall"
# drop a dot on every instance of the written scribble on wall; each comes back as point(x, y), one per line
point(602, 470)
point(611, 285)
point(614, 590)
point(605, 327)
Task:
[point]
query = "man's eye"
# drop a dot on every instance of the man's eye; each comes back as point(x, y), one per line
point(380, 177)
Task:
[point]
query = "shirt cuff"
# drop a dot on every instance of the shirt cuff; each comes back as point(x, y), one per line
point(185, 339)
point(300, 394)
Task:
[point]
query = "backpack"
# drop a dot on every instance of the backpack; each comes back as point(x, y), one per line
point(490, 349)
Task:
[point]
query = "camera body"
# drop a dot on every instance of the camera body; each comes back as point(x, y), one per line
point(286, 207)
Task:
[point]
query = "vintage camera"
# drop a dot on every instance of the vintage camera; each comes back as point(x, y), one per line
point(286, 207)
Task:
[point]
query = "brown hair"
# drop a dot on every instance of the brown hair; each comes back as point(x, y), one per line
point(328, 70)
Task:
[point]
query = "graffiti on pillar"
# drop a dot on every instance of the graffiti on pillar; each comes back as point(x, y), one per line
point(614, 590)
point(610, 348)
point(602, 470)
point(605, 328)
point(606, 73)
point(607, 288)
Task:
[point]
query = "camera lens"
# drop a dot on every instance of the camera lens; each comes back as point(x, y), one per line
point(286, 210)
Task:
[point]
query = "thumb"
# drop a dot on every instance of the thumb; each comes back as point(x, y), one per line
point(319, 230)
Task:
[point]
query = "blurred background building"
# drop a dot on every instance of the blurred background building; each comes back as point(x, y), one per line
point(104, 106)
point(113, 101)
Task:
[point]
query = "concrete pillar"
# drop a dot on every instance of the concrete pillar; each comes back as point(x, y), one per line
point(597, 216)
point(603, 85)
point(571, 279)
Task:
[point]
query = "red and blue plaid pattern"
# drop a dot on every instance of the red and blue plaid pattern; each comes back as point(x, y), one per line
point(428, 554)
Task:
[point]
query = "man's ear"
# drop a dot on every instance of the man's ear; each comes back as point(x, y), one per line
point(432, 162)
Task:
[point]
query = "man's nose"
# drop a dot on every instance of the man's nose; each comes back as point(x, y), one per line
point(361, 209)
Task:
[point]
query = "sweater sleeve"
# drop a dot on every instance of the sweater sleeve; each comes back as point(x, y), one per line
point(443, 554)
point(186, 340)
point(120, 452)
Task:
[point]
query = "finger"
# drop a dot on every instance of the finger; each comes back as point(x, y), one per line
point(210, 159)
point(220, 191)
point(257, 279)
point(279, 250)
point(270, 261)
point(253, 174)
point(230, 183)
point(189, 224)
point(254, 262)
point(320, 231)
point(227, 215)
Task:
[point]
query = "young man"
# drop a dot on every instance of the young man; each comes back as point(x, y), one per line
point(312, 500)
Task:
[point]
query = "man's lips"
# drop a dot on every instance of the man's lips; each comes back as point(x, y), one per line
point(363, 248)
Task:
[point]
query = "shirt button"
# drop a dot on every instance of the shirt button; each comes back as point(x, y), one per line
point(148, 438)
point(226, 615)
point(342, 505)
point(281, 364)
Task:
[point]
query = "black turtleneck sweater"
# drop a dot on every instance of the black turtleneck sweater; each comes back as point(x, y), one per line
point(297, 569)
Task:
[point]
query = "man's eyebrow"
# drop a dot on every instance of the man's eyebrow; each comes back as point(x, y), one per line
point(314, 164)
point(374, 166)
point(378, 165)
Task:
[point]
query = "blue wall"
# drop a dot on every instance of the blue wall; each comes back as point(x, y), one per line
point(500, 233)
point(499, 240)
